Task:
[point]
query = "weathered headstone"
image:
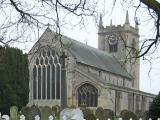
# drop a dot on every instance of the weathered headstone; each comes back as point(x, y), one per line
point(25, 112)
point(71, 114)
point(34, 111)
point(45, 112)
point(13, 113)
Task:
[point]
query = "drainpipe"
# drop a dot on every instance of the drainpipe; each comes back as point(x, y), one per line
point(63, 82)
point(115, 102)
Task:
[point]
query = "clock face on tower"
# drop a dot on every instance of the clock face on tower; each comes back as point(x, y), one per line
point(112, 41)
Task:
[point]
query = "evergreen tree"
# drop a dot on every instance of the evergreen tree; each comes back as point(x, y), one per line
point(154, 109)
point(14, 79)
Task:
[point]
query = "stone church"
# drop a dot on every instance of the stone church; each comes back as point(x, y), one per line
point(66, 72)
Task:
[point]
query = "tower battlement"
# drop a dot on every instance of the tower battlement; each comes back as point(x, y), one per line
point(121, 41)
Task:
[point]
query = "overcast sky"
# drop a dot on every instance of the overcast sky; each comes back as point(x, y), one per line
point(149, 71)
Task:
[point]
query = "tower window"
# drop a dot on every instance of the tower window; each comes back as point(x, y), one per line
point(113, 43)
point(113, 47)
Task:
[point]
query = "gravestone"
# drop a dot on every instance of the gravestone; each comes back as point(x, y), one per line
point(13, 113)
point(71, 114)
point(25, 112)
point(34, 111)
point(45, 112)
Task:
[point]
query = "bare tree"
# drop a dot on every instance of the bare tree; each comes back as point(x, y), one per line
point(18, 17)
point(22, 18)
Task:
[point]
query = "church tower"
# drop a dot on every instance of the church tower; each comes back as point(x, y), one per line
point(123, 43)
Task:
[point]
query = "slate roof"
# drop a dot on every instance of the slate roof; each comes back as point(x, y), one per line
point(94, 57)
point(88, 55)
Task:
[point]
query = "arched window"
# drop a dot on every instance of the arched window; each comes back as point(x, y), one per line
point(113, 43)
point(87, 95)
point(47, 76)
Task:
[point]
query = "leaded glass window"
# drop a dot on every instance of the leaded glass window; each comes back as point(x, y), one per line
point(47, 76)
point(87, 95)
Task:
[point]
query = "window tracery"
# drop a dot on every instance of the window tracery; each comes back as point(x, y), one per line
point(87, 95)
point(47, 76)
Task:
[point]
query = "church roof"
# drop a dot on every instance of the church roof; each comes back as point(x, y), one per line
point(94, 57)
point(88, 55)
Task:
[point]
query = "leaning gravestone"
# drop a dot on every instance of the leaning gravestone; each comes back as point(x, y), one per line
point(13, 113)
point(71, 114)
point(45, 112)
point(34, 111)
point(25, 111)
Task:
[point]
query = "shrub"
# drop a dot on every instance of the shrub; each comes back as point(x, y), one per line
point(99, 111)
point(56, 110)
point(154, 109)
point(139, 114)
point(106, 114)
point(90, 117)
point(86, 112)
point(126, 115)
point(145, 115)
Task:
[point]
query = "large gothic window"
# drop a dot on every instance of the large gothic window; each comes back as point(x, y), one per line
point(47, 76)
point(87, 95)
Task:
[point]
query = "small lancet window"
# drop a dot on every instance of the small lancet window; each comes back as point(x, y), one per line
point(41, 61)
point(37, 61)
